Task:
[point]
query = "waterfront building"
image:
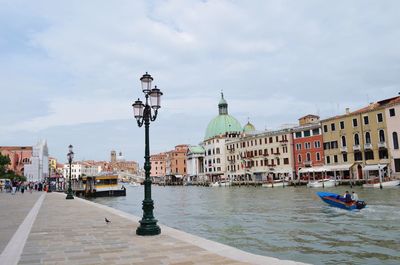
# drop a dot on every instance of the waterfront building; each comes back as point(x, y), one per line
point(392, 114)
point(260, 156)
point(355, 143)
point(195, 163)
point(219, 129)
point(37, 170)
point(76, 171)
point(157, 162)
point(19, 157)
point(175, 164)
point(119, 164)
point(52, 163)
point(307, 144)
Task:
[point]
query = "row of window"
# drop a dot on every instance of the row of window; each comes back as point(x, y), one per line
point(308, 157)
point(213, 169)
point(256, 142)
point(379, 118)
point(307, 133)
point(307, 145)
point(358, 156)
point(334, 144)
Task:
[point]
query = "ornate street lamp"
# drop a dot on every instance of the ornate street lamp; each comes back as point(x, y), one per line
point(144, 113)
point(48, 179)
point(70, 157)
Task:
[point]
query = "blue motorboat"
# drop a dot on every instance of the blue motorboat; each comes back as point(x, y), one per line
point(336, 200)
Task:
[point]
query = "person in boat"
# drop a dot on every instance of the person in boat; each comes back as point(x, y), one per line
point(354, 196)
point(347, 197)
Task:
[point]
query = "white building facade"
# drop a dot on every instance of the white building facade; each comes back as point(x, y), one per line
point(37, 170)
point(392, 114)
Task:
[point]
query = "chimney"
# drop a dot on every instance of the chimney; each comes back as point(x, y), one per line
point(347, 110)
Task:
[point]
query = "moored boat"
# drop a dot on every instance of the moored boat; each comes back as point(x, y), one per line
point(336, 200)
point(376, 184)
point(322, 183)
point(275, 183)
point(223, 183)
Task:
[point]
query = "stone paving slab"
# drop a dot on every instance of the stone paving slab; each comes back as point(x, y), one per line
point(74, 232)
point(13, 210)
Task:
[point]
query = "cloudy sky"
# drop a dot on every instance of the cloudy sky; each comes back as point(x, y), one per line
point(70, 69)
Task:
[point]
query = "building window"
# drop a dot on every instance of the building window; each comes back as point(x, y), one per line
point(357, 156)
point(344, 141)
point(369, 155)
point(381, 136)
point(218, 151)
point(328, 159)
point(298, 146)
point(317, 144)
point(334, 144)
point(355, 123)
point(318, 156)
point(327, 146)
point(342, 125)
point(379, 117)
point(344, 157)
point(299, 158)
point(308, 157)
point(366, 120)
point(333, 127)
point(316, 131)
point(367, 138)
point(286, 161)
point(395, 141)
point(307, 145)
point(335, 158)
point(383, 154)
point(392, 112)
point(325, 128)
point(356, 139)
point(270, 140)
point(307, 133)
point(397, 165)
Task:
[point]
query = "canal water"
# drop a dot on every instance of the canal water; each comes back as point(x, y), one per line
point(286, 223)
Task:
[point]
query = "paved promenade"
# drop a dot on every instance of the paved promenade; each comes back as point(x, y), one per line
point(42, 228)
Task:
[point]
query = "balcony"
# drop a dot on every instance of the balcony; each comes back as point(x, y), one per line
point(382, 145)
point(343, 149)
point(368, 146)
point(265, 154)
point(356, 147)
point(277, 154)
point(307, 163)
point(232, 162)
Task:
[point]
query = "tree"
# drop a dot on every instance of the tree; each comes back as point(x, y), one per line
point(4, 162)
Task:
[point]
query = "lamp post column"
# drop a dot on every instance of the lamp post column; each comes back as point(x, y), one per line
point(70, 157)
point(48, 180)
point(148, 224)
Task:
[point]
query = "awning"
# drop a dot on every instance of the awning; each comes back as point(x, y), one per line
point(374, 167)
point(178, 176)
point(282, 171)
point(341, 167)
point(312, 169)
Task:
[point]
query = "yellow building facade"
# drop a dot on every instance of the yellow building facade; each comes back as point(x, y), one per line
point(357, 141)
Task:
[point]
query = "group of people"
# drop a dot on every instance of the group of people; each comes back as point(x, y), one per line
point(348, 198)
point(19, 186)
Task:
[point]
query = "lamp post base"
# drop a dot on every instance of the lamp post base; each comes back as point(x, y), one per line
point(69, 197)
point(148, 228)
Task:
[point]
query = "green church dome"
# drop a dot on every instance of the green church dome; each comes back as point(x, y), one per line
point(223, 123)
point(249, 127)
